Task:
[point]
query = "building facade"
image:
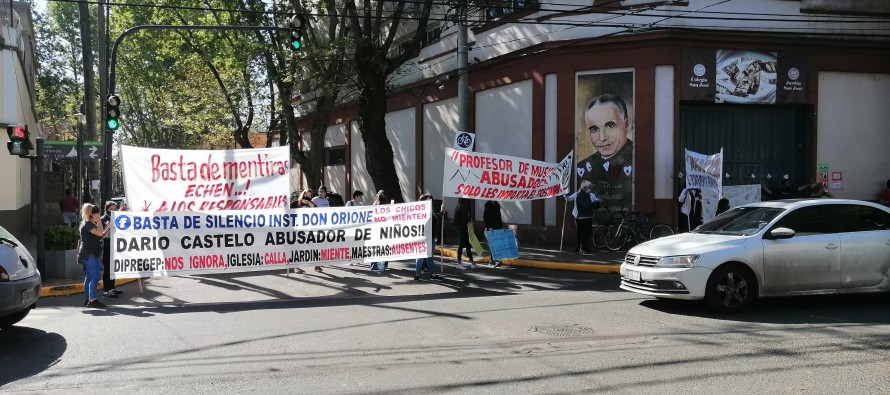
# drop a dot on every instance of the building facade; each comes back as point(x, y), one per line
point(787, 89)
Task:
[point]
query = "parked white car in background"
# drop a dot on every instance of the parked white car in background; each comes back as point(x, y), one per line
point(785, 247)
point(19, 280)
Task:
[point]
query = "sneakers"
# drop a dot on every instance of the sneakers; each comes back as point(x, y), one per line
point(460, 266)
point(496, 263)
point(417, 278)
point(318, 269)
point(300, 271)
point(110, 294)
point(472, 265)
point(435, 277)
point(96, 304)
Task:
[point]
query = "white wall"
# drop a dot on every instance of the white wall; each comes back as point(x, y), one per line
point(361, 180)
point(851, 131)
point(400, 129)
point(335, 176)
point(504, 126)
point(439, 124)
point(665, 178)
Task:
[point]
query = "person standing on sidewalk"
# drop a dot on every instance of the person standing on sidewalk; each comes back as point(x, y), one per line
point(461, 222)
point(493, 220)
point(426, 262)
point(91, 234)
point(585, 202)
point(68, 205)
point(107, 282)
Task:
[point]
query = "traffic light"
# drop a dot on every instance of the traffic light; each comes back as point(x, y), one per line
point(19, 140)
point(113, 112)
point(296, 33)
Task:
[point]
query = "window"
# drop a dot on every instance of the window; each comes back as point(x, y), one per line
point(335, 156)
point(856, 218)
point(504, 7)
point(808, 220)
point(432, 36)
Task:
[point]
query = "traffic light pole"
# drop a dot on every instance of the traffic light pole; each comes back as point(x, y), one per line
point(112, 74)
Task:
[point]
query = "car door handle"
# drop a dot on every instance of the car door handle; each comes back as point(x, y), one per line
point(831, 246)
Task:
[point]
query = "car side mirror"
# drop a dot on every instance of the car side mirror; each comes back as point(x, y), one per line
point(781, 233)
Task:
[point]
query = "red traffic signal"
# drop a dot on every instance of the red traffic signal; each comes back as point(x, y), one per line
point(19, 140)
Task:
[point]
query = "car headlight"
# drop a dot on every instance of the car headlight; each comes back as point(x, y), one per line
point(677, 261)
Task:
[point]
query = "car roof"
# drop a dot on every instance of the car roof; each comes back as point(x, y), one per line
point(795, 203)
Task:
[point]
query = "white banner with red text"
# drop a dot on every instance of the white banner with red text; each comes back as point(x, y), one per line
point(182, 243)
point(477, 175)
point(205, 180)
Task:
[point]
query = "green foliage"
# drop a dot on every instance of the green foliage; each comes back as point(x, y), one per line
point(61, 237)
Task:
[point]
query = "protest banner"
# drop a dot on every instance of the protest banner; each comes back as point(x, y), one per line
point(204, 180)
point(477, 175)
point(182, 243)
point(738, 195)
point(704, 171)
point(502, 243)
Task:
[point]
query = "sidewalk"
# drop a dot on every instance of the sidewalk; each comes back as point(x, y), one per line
point(597, 262)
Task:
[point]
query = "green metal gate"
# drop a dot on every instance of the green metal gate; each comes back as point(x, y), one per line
point(758, 139)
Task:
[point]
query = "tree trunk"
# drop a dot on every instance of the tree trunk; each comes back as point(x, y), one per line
point(372, 122)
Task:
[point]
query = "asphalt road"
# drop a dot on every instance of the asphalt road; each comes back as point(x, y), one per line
point(505, 330)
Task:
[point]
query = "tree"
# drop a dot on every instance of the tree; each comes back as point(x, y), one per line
point(320, 65)
point(374, 26)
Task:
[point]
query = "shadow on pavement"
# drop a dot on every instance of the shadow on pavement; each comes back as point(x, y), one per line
point(820, 309)
point(26, 352)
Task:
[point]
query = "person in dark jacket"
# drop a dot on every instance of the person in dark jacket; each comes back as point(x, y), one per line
point(461, 222)
point(493, 220)
point(585, 203)
point(107, 282)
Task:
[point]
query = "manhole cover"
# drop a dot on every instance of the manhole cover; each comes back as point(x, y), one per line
point(563, 330)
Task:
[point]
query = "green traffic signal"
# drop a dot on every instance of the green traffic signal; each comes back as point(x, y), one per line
point(296, 44)
point(113, 124)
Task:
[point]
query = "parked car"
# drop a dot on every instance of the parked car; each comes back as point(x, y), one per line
point(784, 247)
point(19, 280)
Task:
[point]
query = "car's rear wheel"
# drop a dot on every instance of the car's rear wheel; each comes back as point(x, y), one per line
point(731, 289)
point(14, 318)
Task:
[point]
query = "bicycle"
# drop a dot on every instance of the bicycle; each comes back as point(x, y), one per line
point(633, 229)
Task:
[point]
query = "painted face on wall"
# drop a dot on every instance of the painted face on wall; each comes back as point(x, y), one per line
point(608, 130)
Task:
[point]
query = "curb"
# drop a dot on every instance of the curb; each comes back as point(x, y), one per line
point(71, 289)
point(519, 262)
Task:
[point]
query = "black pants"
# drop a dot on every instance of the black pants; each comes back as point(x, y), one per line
point(585, 226)
point(463, 240)
point(107, 282)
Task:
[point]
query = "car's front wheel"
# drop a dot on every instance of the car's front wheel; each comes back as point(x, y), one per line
point(731, 289)
point(14, 318)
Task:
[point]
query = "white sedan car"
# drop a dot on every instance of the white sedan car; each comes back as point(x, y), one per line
point(785, 247)
point(19, 280)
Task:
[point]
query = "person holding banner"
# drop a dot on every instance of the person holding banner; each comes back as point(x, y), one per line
point(426, 263)
point(306, 200)
point(380, 199)
point(90, 254)
point(690, 199)
point(322, 199)
point(610, 169)
point(107, 282)
point(493, 220)
point(461, 222)
point(357, 199)
point(585, 203)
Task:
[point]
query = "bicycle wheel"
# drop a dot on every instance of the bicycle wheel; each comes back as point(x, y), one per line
point(616, 237)
point(660, 230)
point(642, 233)
point(599, 236)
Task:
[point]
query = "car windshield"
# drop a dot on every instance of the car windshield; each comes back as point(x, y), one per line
point(740, 221)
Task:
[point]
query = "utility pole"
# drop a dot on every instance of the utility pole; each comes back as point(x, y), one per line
point(103, 88)
point(89, 94)
point(463, 73)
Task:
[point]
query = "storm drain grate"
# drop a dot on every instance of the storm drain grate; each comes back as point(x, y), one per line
point(563, 330)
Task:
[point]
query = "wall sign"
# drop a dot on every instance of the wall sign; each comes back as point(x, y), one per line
point(744, 77)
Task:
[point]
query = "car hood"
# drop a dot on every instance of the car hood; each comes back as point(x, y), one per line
point(686, 244)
